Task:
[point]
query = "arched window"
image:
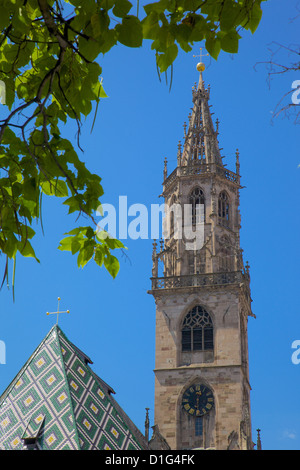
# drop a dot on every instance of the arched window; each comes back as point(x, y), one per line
point(223, 208)
point(197, 198)
point(197, 331)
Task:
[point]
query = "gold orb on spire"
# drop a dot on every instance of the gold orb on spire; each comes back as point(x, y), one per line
point(200, 67)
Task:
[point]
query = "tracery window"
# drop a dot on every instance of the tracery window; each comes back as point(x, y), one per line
point(223, 208)
point(197, 330)
point(197, 198)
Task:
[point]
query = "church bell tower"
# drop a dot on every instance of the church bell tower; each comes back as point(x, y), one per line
point(201, 289)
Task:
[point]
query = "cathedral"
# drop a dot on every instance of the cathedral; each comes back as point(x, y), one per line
point(202, 297)
point(201, 289)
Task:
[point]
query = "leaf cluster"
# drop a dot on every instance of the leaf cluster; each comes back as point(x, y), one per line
point(50, 71)
point(181, 23)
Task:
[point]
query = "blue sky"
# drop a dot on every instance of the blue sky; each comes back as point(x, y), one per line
point(113, 321)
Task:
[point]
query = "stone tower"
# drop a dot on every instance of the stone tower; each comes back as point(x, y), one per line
point(202, 295)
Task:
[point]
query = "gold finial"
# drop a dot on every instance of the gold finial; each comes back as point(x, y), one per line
point(200, 66)
point(58, 312)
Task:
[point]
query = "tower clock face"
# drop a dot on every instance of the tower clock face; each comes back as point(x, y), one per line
point(197, 400)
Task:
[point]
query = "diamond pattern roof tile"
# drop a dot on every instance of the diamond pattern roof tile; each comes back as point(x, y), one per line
point(57, 387)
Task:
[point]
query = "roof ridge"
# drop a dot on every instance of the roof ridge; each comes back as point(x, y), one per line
point(59, 331)
point(130, 424)
point(79, 351)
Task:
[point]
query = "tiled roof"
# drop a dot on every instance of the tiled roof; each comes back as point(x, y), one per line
point(57, 402)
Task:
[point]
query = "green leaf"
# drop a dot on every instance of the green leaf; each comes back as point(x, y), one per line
point(26, 250)
point(122, 8)
point(156, 6)
point(96, 25)
point(112, 265)
point(165, 60)
point(130, 32)
point(99, 255)
point(76, 245)
point(4, 17)
point(85, 254)
point(56, 188)
point(99, 90)
point(90, 49)
point(230, 42)
point(113, 243)
point(255, 17)
point(74, 203)
point(11, 246)
point(66, 244)
point(229, 15)
point(213, 47)
point(30, 189)
point(77, 230)
point(151, 26)
point(26, 232)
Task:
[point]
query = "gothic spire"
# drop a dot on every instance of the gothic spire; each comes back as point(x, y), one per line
point(201, 140)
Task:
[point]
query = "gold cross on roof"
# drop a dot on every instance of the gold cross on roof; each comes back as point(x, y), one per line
point(58, 312)
point(201, 65)
point(201, 54)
